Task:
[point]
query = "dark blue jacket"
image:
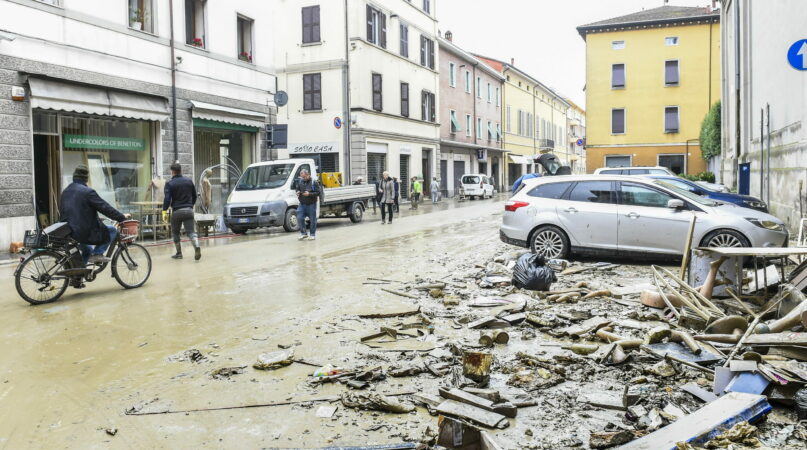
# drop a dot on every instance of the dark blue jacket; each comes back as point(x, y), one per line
point(80, 206)
point(179, 193)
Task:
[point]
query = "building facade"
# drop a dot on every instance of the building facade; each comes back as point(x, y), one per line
point(764, 107)
point(471, 108)
point(651, 78)
point(362, 79)
point(91, 83)
point(576, 137)
point(534, 120)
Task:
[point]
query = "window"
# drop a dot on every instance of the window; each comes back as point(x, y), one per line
point(509, 120)
point(312, 92)
point(490, 93)
point(671, 73)
point(498, 132)
point(376, 27)
point(618, 121)
point(195, 23)
point(427, 6)
point(404, 40)
point(479, 87)
point(672, 40)
point(479, 128)
point(467, 81)
point(140, 14)
point(490, 130)
point(311, 24)
point(671, 119)
point(244, 27)
point(637, 195)
point(617, 161)
point(426, 52)
point(427, 106)
point(618, 45)
point(498, 98)
point(550, 190)
point(520, 129)
point(618, 76)
point(469, 124)
point(455, 123)
point(593, 192)
point(405, 99)
point(676, 164)
point(377, 95)
point(452, 74)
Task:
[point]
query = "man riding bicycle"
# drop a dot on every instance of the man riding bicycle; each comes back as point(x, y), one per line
point(79, 207)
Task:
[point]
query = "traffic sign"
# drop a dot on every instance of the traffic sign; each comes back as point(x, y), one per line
point(797, 55)
point(281, 98)
point(580, 142)
point(337, 122)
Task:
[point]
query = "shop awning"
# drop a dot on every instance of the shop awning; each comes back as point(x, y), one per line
point(209, 111)
point(61, 96)
point(519, 159)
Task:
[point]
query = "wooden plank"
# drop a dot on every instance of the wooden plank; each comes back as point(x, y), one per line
point(476, 415)
point(688, 247)
point(388, 315)
point(461, 396)
point(777, 339)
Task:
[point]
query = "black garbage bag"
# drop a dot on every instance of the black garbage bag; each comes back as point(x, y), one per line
point(531, 272)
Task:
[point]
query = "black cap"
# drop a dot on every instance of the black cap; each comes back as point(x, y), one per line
point(81, 172)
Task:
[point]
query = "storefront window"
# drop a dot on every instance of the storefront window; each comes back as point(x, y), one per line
point(117, 152)
point(227, 151)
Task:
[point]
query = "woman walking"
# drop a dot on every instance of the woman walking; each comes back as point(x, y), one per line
point(387, 197)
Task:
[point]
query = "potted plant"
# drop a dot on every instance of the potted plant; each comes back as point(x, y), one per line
point(137, 18)
point(245, 56)
point(198, 42)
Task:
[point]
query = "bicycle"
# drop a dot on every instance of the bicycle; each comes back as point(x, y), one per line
point(55, 261)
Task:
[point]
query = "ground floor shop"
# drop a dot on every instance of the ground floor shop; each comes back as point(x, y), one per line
point(680, 159)
point(456, 161)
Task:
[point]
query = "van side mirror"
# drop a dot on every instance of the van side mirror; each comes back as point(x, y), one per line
point(675, 204)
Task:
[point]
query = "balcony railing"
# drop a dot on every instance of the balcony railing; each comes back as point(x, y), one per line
point(546, 143)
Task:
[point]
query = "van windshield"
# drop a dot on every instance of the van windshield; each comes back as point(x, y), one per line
point(264, 177)
point(468, 179)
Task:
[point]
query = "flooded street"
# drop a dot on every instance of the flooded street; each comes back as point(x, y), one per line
point(70, 369)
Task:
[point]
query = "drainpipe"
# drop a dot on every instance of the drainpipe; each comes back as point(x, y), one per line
point(534, 141)
point(768, 110)
point(738, 139)
point(346, 100)
point(173, 81)
point(476, 99)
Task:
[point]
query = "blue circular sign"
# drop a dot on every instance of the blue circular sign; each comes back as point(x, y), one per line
point(797, 55)
point(337, 122)
point(580, 142)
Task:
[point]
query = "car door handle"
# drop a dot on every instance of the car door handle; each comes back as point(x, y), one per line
point(632, 215)
point(571, 210)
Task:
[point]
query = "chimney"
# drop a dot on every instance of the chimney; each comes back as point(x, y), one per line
point(512, 61)
point(714, 5)
point(449, 36)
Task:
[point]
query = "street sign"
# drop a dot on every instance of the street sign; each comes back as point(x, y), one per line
point(797, 55)
point(337, 122)
point(281, 98)
point(580, 142)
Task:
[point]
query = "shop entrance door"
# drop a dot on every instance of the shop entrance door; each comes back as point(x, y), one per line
point(427, 173)
point(376, 165)
point(46, 179)
point(444, 177)
point(459, 172)
point(404, 176)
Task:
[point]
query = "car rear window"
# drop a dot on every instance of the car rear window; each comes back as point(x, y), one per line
point(470, 179)
point(611, 172)
point(549, 190)
point(638, 172)
point(593, 192)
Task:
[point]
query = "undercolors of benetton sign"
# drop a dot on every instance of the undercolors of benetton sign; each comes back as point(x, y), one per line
point(103, 142)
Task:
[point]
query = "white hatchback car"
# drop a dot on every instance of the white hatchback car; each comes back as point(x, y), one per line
point(625, 215)
point(477, 185)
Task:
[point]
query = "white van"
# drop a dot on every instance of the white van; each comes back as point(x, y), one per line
point(477, 185)
point(263, 197)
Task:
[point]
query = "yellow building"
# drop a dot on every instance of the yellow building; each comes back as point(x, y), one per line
point(534, 121)
point(651, 77)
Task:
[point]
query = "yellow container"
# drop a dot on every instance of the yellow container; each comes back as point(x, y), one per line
point(331, 179)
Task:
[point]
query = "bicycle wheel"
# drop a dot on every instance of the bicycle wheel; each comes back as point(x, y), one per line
point(131, 265)
point(36, 280)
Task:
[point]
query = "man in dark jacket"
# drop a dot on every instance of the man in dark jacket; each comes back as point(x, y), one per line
point(79, 207)
point(308, 194)
point(180, 195)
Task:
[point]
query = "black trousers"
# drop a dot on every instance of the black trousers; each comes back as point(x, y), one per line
point(386, 207)
point(183, 218)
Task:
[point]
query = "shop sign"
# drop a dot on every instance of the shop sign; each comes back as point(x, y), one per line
point(326, 147)
point(482, 154)
point(82, 141)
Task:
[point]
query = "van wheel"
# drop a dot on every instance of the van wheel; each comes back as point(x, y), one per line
point(550, 242)
point(356, 213)
point(290, 220)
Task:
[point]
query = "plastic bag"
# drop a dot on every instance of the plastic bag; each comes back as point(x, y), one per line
point(531, 272)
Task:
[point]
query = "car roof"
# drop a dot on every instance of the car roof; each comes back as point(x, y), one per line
point(587, 177)
point(632, 167)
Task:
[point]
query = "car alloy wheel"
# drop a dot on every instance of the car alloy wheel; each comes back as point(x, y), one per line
point(548, 243)
point(725, 240)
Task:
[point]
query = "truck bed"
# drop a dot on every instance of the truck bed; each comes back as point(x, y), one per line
point(347, 194)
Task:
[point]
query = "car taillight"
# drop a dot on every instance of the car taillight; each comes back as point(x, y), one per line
point(512, 205)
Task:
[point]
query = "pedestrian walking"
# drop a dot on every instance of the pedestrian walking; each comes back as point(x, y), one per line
point(415, 190)
point(397, 185)
point(180, 196)
point(378, 194)
point(435, 188)
point(308, 193)
point(388, 197)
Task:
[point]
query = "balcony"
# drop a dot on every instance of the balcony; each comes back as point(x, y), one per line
point(546, 144)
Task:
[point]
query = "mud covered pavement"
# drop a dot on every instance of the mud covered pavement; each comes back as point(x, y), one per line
point(385, 315)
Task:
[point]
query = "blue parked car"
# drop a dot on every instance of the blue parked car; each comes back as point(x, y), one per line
point(745, 201)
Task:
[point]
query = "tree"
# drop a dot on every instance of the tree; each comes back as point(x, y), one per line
point(710, 137)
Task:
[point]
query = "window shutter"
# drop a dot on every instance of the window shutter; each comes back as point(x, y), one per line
point(370, 24)
point(671, 120)
point(189, 31)
point(431, 54)
point(383, 37)
point(316, 87)
point(618, 121)
point(307, 100)
point(306, 25)
point(405, 99)
point(423, 111)
point(315, 24)
point(671, 72)
point(432, 115)
point(422, 51)
point(618, 75)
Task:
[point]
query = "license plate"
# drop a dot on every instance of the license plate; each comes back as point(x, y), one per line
point(243, 220)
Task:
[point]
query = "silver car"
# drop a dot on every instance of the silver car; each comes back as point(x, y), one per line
point(617, 214)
